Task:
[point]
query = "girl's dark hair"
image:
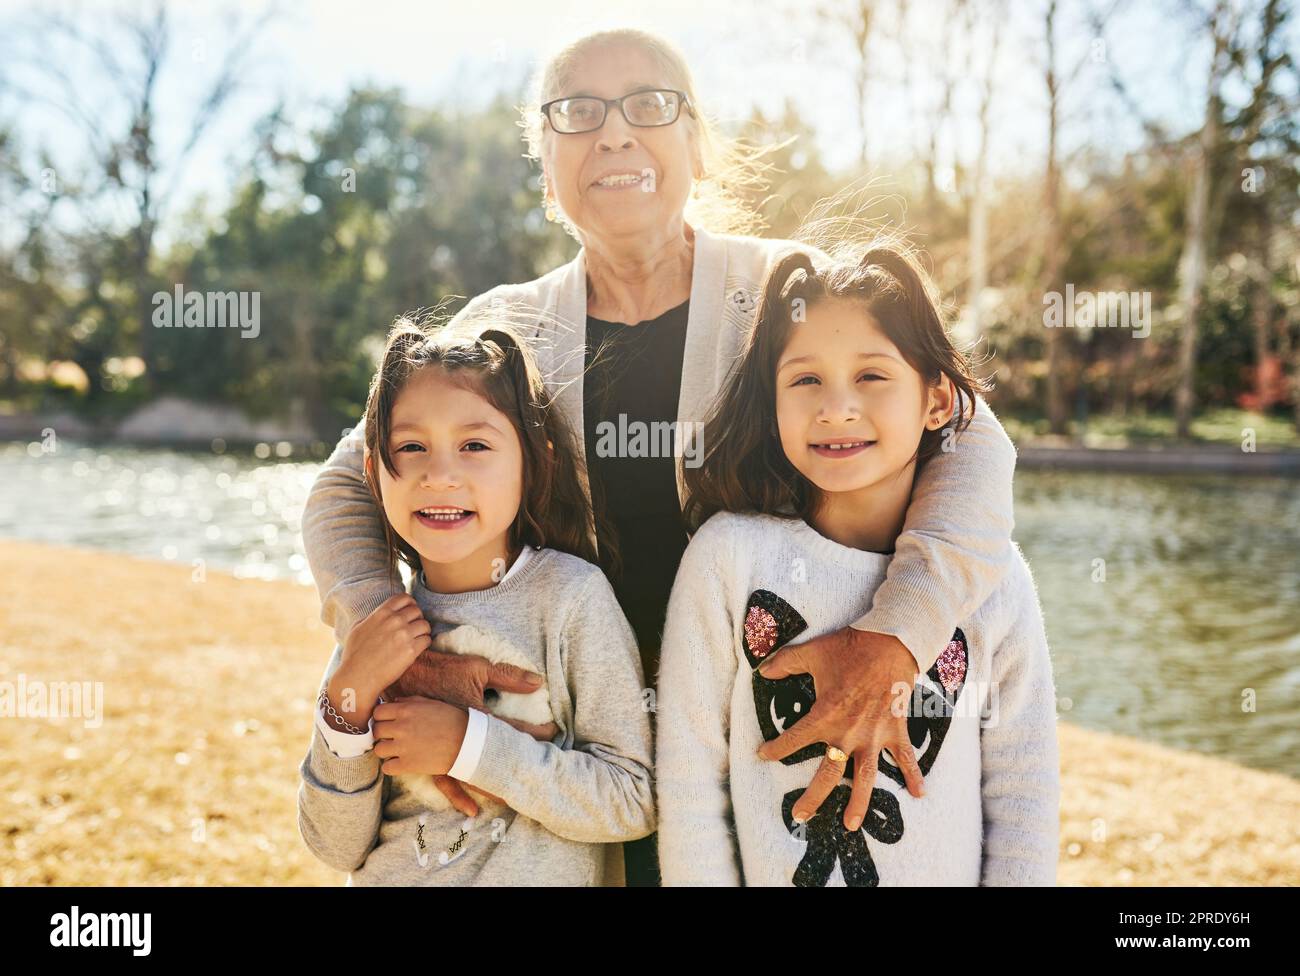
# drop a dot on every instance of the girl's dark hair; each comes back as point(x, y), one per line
point(744, 468)
point(494, 363)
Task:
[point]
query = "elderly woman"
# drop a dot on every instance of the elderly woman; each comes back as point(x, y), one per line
point(663, 288)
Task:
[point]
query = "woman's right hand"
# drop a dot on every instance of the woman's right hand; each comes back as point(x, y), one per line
point(378, 650)
point(462, 679)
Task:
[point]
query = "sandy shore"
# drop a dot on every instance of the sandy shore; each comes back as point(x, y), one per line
point(190, 777)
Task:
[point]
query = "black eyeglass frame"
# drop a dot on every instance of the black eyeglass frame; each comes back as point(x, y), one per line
point(683, 100)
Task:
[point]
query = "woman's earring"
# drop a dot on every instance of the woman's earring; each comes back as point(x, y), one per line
point(550, 210)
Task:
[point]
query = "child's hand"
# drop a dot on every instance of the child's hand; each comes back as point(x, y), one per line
point(418, 735)
point(380, 648)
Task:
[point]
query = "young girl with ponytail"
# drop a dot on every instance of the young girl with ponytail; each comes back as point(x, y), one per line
point(478, 483)
point(848, 384)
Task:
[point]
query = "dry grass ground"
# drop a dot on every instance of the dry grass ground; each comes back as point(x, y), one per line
point(191, 778)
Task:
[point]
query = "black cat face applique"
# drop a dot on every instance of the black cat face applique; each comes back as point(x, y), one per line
point(771, 623)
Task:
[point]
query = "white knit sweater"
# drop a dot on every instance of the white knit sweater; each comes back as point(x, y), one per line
point(984, 727)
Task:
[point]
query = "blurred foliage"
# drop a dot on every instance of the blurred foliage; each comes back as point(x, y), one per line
point(384, 207)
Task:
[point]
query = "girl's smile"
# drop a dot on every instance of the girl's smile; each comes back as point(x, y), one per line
point(443, 519)
point(840, 448)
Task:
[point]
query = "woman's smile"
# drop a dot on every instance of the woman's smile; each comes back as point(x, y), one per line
point(625, 180)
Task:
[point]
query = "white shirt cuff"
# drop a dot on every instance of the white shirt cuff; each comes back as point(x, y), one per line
point(471, 747)
point(345, 745)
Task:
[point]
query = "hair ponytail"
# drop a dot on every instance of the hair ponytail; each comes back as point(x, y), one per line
point(909, 311)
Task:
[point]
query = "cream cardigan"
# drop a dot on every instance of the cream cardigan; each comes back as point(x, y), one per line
point(956, 543)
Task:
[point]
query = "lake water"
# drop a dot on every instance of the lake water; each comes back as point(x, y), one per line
point(1171, 601)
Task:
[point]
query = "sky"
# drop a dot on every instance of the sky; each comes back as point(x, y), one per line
point(460, 54)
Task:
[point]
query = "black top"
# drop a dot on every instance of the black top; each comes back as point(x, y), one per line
point(636, 372)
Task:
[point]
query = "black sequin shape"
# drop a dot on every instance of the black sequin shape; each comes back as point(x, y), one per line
point(830, 841)
point(780, 703)
point(930, 710)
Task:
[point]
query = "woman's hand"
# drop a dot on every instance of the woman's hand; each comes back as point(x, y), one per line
point(459, 679)
point(462, 679)
point(418, 736)
point(864, 682)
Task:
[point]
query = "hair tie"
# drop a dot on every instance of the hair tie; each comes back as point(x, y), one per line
point(795, 285)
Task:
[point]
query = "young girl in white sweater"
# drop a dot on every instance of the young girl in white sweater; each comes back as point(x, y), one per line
point(848, 384)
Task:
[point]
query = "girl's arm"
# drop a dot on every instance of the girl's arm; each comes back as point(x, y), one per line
point(955, 547)
point(600, 791)
point(1020, 781)
point(340, 801)
point(697, 670)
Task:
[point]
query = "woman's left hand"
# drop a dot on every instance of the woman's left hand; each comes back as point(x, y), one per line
point(864, 682)
point(418, 736)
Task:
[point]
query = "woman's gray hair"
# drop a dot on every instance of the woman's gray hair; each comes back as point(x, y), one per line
point(734, 172)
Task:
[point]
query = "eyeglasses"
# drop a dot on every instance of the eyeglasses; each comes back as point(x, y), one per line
point(644, 109)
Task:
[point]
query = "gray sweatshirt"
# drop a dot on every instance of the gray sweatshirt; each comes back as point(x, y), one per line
point(571, 802)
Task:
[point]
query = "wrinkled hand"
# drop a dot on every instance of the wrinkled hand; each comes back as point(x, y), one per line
point(459, 679)
point(864, 681)
point(462, 679)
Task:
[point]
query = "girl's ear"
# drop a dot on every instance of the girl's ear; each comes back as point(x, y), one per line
point(942, 397)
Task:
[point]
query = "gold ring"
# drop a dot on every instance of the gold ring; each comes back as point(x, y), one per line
point(836, 755)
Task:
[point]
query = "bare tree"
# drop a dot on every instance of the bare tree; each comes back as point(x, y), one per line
point(858, 19)
point(1053, 244)
point(936, 45)
point(126, 164)
point(1057, 80)
point(979, 204)
point(1192, 264)
point(1222, 134)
